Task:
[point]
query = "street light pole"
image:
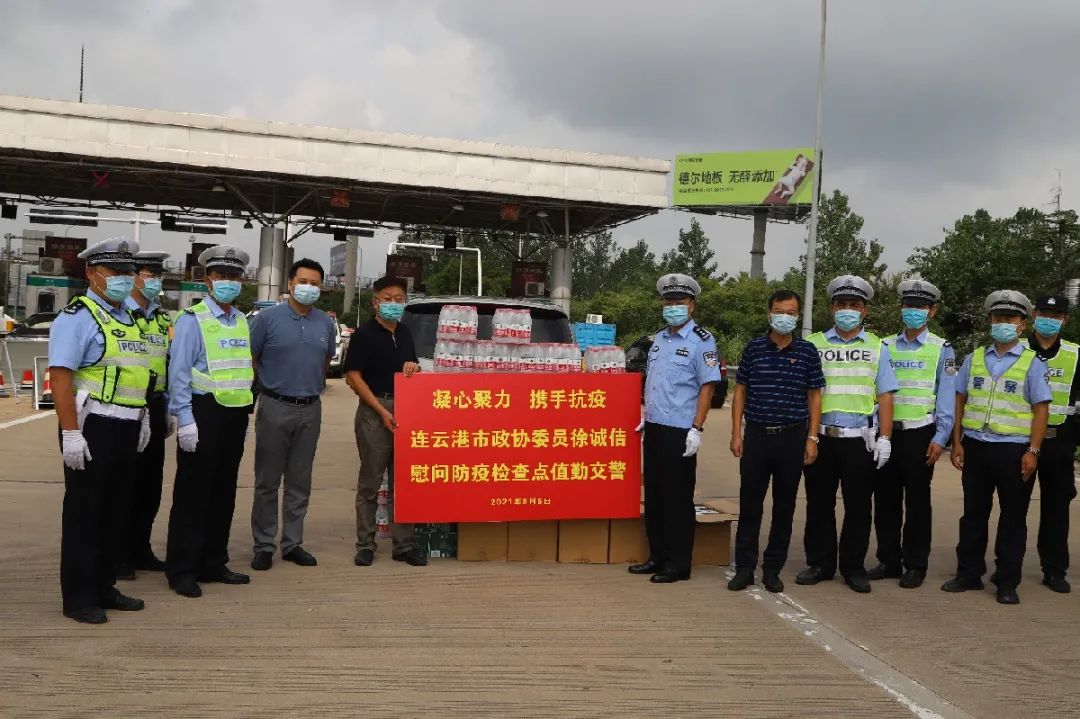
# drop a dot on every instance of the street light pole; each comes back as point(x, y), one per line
point(811, 238)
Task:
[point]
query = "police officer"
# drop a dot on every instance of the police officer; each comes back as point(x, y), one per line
point(210, 379)
point(856, 431)
point(155, 325)
point(682, 371)
point(1003, 400)
point(99, 367)
point(1057, 486)
point(925, 367)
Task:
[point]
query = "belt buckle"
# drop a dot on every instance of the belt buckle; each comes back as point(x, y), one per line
point(1051, 433)
point(833, 432)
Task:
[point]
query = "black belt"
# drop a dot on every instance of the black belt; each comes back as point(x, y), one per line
point(757, 428)
point(290, 400)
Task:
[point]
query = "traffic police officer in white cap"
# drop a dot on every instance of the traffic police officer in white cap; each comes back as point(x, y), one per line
point(1003, 398)
point(856, 427)
point(683, 368)
point(925, 367)
point(100, 373)
point(210, 380)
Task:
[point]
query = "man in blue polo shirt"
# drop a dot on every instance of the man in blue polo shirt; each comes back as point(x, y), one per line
point(778, 391)
point(291, 346)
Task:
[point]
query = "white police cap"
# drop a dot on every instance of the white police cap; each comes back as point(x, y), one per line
point(224, 257)
point(918, 291)
point(150, 260)
point(115, 251)
point(1008, 302)
point(675, 285)
point(850, 286)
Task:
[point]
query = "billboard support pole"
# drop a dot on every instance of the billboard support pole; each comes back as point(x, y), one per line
point(757, 250)
point(351, 244)
point(811, 238)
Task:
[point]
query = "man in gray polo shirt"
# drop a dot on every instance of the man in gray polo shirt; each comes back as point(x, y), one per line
point(291, 344)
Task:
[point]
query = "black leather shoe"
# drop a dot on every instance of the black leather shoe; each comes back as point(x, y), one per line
point(1007, 596)
point(186, 587)
point(883, 571)
point(811, 576)
point(262, 561)
point(122, 602)
point(149, 563)
point(1057, 583)
point(912, 578)
point(413, 557)
point(669, 577)
point(225, 576)
point(123, 570)
point(299, 555)
point(364, 558)
point(858, 584)
point(772, 583)
point(743, 578)
point(649, 567)
point(87, 615)
point(961, 584)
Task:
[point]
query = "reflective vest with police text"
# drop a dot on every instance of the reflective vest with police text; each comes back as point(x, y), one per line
point(228, 359)
point(998, 406)
point(850, 373)
point(916, 373)
point(122, 375)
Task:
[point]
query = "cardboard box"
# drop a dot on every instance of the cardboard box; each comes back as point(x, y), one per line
point(533, 541)
point(584, 540)
point(712, 533)
point(628, 543)
point(482, 541)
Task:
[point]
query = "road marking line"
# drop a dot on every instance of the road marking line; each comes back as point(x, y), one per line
point(921, 701)
point(30, 418)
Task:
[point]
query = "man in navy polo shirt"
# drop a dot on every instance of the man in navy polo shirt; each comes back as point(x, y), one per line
point(778, 392)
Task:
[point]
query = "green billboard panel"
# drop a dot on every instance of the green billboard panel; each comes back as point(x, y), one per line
point(766, 177)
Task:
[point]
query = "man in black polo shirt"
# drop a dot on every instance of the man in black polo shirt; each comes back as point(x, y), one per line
point(778, 391)
point(377, 351)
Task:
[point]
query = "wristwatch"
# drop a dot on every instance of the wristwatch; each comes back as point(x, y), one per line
point(698, 427)
point(814, 438)
point(1035, 451)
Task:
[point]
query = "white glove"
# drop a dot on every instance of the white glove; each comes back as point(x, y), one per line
point(693, 441)
point(170, 427)
point(144, 432)
point(188, 437)
point(76, 453)
point(882, 451)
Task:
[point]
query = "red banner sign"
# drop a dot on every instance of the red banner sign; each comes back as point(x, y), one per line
point(508, 447)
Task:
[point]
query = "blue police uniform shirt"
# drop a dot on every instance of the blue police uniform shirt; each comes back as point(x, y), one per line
point(945, 383)
point(679, 364)
point(75, 340)
point(187, 351)
point(884, 382)
point(292, 349)
point(1036, 385)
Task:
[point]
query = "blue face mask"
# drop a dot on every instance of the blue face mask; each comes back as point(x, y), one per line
point(226, 290)
point(391, 311)
point(783, 324)
point(847, 320)
point(914, 318)
point(151, 287)
point(306, 294)
point(118, 287)
point(1003, 332)
point(676, 315)
point(1047, 326)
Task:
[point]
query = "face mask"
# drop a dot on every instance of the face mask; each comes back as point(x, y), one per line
point(1047, 326)
point(151, 287)
point(118, 287)
point(847, 320)
point(391, 311)
point(306, 294)
point(914, 319)
point(1003, 332)
point(783, 324)
point(226, 290)
point(676, 315)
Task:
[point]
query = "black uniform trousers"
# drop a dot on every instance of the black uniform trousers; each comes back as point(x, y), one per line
point(768, 457)
point(146, 486)
point(1057, 487)
point(204, 494)
point(990, 467)
point(96, 499)
point(844, 463)
point(669, 497)
point(902, 499)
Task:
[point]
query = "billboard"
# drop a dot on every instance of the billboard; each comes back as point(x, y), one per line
point(766, 177)
point(409, 268)
point(528, 279)
point(337, 259)
point(67, 250)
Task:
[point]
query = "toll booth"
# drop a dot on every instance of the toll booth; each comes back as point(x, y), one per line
point(45, 293)
point(191, 293)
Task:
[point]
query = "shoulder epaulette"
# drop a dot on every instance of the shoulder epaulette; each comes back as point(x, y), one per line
point(74, 306)
point(702, 332)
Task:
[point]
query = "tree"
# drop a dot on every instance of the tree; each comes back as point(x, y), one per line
point(693, 255)
point(591, 258)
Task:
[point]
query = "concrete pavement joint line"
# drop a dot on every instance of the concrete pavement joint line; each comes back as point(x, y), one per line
point(921, 701)
point(24, 420)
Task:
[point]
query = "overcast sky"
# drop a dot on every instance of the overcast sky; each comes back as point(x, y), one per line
point(932, 109)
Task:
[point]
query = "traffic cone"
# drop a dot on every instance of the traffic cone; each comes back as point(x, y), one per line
point(3, 386)
point(27, 380)
point(46, 390)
